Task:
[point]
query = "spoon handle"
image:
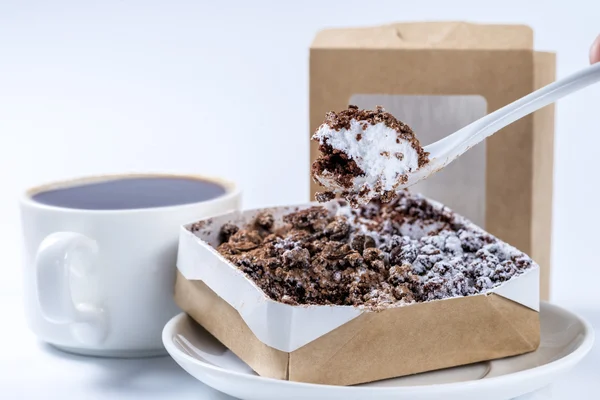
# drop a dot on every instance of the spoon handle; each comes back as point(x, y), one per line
point(446, 150)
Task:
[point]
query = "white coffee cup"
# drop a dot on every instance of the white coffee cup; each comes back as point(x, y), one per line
point(100, 282)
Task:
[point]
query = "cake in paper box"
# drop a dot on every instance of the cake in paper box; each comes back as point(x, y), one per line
point(328, 293)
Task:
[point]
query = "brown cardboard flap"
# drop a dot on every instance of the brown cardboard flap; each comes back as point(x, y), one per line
point(435, 35)
point(378, 345)
point(418, 338)
point(517, 319)
point(226, 324)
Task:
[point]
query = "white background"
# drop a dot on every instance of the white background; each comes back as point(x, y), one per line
point(221, 87)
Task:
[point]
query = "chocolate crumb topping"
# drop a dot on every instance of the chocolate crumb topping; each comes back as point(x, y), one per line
point(377, 256)
point(323, 197)
point(227, 231)
point(264, 220)
point(197, 226)
point(342, 168)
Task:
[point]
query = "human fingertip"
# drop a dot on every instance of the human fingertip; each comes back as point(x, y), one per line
point(595, 51)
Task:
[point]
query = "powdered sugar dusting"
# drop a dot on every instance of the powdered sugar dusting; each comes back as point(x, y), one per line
point(377, 256)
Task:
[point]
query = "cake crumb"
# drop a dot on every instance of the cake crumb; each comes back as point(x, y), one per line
point(227, 231)
point(264, 220)
point(323, 197)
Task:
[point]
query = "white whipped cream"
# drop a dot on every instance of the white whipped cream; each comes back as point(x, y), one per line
point(380, 153)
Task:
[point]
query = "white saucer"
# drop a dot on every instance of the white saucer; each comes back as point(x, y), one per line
point(566, 339)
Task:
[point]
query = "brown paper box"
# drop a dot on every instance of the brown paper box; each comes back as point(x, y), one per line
point(375, 346)
point(343, 345)
point(438, 77)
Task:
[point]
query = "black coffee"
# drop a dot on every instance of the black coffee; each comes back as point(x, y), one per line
point(132, 193)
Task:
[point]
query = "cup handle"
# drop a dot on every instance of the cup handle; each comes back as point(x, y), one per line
point(55, 259)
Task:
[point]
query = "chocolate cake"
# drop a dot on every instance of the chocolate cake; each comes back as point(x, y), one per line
point(365, 154)
point(377, 256)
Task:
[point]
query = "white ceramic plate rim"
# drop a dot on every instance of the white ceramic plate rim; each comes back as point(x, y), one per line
point(565, 362)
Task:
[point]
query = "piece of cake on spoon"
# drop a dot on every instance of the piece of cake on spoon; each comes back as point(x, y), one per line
point(365, 154)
